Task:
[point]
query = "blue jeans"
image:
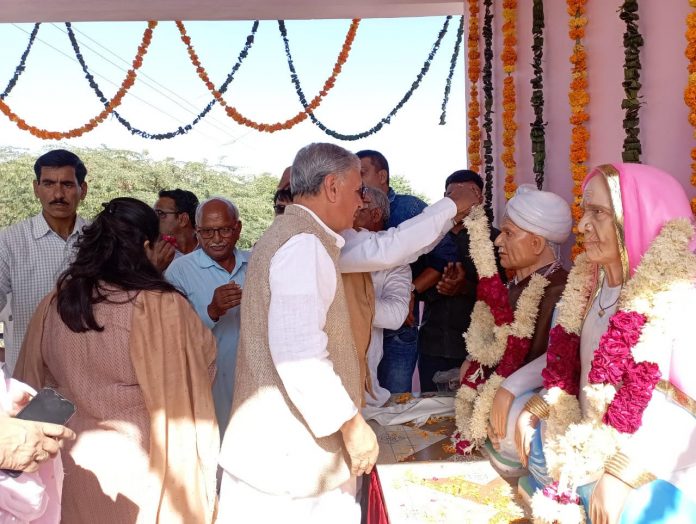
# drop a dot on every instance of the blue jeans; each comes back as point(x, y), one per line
point(395, 371)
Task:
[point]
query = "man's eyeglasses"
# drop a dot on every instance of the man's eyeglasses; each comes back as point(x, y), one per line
point(279, 209)
point(362, 191)
point(209, 232)
point(161, 213)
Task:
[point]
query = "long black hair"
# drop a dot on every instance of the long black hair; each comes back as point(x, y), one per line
point(111, 250)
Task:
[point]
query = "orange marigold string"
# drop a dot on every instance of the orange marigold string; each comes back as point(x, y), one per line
point(93, 122)
point(474, 73)
point(278, 126)
point(579, 98)
point(690, 91)
point(509, 59)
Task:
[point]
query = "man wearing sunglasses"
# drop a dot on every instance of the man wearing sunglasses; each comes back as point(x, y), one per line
point(212, 278)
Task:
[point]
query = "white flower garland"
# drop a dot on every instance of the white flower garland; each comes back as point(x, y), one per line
point(577, 450)
point(486, 342)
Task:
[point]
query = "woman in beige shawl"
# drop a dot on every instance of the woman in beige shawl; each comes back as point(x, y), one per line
point(129, 350)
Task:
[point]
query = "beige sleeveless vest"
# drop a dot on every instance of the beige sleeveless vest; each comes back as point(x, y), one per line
point(267, 443)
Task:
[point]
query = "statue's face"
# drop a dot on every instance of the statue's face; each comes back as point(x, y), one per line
point(518, 248)
point(597, 223)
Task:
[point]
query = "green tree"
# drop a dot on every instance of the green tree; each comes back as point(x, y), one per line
point(113, 173)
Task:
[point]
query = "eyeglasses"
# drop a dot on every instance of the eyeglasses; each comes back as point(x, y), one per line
point(209, 232)
point(362, 191)
point(279, 209)
point(161, 213)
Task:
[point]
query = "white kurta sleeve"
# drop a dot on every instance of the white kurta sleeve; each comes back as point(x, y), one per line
point(367, 251)
point(303, 285)
point(391, 306)
point(527, 378)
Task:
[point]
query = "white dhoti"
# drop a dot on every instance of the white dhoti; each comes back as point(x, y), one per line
point(241, 503)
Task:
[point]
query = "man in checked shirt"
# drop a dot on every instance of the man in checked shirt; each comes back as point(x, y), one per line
point(34, 252)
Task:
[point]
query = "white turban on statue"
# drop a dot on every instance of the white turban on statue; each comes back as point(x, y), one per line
point(540, 212)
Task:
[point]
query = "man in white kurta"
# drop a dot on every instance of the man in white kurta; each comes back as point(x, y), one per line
point(392, 294)
point(266, 474)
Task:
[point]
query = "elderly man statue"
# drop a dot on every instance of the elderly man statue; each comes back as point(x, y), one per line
point(535, 224)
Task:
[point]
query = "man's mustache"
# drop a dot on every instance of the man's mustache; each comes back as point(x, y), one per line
point(59, 201)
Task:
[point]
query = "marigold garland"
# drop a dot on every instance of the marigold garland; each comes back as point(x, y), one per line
point(509, 59)
point(474, 73)
point(181, 129)
point(112, 104)
point(384, 120)
point(632, 41)
point(690, 91)
point(621, 379)
point(579, 99)
point(291, 122)
point(538, 127)
point(487, 80)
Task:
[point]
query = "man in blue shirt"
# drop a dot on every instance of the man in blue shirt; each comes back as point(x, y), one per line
point(212, 278)
point(401, 346)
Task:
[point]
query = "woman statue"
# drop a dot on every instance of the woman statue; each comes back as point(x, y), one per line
point(611, 435)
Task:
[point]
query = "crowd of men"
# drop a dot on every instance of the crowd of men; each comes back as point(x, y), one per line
point(354, 293)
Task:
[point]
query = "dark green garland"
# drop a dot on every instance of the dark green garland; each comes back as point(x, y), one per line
point(632, 41)
point(538, 133)
point(487, 78)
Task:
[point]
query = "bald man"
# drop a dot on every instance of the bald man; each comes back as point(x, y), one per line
point(212, 278)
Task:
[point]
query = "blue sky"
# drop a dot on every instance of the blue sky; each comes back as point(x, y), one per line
point(386, 57)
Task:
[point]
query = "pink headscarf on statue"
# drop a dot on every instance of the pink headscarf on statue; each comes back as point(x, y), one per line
point(649, 198)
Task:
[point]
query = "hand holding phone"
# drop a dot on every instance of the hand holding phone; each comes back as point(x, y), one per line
point(36, 433)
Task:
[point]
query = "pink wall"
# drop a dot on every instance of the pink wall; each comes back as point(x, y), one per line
point(666, 135)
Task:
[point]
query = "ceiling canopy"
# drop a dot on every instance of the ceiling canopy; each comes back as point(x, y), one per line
point(131, 10)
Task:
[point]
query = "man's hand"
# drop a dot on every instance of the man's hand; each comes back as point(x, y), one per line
point(453, 280)
point(225, 297)
point(499, 411)
point(526, 423)
point(465, 196)
point(161, 255)
point(608, 499)
point(24, 444)
point(411, 318)
point(361, 445)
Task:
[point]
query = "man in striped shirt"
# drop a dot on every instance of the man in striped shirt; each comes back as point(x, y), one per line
point(34, 252)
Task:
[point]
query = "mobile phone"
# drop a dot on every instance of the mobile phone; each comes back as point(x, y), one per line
point(47, 406)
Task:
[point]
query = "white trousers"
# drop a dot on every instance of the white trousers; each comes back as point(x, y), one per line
point(241, 503)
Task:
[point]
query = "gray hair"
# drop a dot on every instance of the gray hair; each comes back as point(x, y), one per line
point(314, 162)
point(199, 209)
point(378, 200)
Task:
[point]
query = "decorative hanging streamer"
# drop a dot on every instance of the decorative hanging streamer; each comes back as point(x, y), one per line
point(538, 132)
point(453, 64)
point(690, 91)
point(181, 130)
point(473, 113)
point(632, 41)
point(108, 109)
point(579, 99)
point(487, 78)
point(291, 122)
point(509, 59)
point(22, 62)
point(387, 119)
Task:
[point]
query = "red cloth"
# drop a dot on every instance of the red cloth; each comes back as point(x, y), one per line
point(376, 510)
